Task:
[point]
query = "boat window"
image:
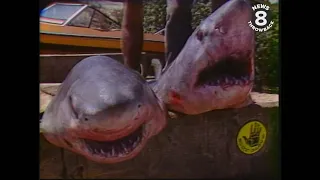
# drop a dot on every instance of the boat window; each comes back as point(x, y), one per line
point(83, 19)
point(60, 11)
point(100, 22)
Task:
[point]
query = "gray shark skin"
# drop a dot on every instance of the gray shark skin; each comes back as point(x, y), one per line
point(103, 111)
point(215, 69)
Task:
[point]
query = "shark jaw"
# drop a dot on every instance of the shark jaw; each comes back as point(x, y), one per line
point(224, 84)
point(119, 148)
point(233, 70)
point(104, 151)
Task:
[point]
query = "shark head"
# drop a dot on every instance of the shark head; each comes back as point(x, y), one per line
point(215, 69)
point(103, 111)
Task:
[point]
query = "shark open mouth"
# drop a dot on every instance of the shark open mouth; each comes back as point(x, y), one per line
point(116, 148)
point(227, 71)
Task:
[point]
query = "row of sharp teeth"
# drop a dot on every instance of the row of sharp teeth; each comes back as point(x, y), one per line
point(113, 151)
point(232, 81)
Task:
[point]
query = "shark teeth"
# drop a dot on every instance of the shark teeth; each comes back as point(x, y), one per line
point(135, 144)
point(113, 152)
point(225, 81)
point(117, 148)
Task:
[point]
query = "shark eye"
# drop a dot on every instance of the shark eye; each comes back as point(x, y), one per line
point(221, 29)
point(201, 34)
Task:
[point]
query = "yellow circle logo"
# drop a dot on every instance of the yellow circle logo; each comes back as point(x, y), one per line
point(251, 137)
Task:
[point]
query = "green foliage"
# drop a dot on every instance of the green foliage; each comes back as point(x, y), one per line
point(200, 11)
point(154, 15)
point(267, 55)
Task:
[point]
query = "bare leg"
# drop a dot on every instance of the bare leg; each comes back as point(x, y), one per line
point(132, 33)
point(178, 27)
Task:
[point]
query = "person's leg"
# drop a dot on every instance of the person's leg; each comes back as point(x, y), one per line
point(215, 4)
point(178, 27)
point(132, 33)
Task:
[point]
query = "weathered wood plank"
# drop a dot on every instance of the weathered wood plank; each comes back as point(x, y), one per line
point(199, 146)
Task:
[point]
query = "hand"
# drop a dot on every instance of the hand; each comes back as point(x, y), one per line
point(254, 135)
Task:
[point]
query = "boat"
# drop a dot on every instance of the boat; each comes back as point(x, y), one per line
point(67, 28)
point(70, 32)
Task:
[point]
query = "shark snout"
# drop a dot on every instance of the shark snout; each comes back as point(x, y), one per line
point(113, 118)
